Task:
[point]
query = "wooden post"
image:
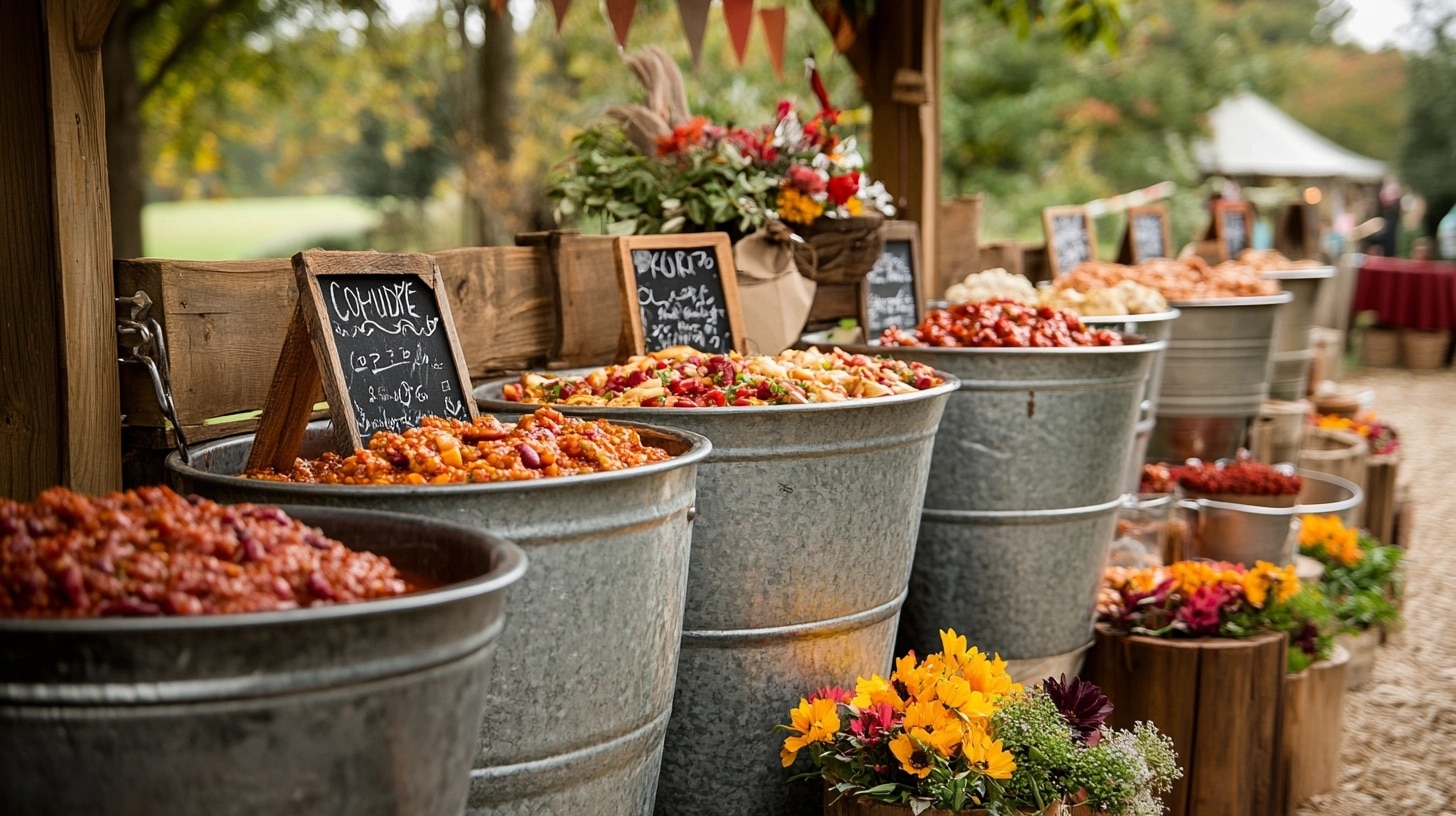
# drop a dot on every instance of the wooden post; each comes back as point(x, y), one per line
point(897, 57)
point(60, 416)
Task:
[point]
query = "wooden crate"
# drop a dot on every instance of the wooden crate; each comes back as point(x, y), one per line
point(1218, 699)
point(552, 302)
point(1312, 725)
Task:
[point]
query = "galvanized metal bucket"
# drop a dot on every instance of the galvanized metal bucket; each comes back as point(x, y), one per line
point(1035, 428)
point(1154, 327)
point(579, 701)
point(1216, 376)
point(370, 708)
point(1245, 533)
point(1022, 583)
point(801, 554)
point(1289, 370)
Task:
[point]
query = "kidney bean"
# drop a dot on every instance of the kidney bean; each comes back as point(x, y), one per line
point(529, 457)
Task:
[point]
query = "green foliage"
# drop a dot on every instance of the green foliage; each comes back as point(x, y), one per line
point(1428, 147)
point(1362, 591)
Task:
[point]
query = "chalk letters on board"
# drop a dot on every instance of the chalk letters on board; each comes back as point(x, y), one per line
point(890, 294)
point(680, 290)
point(1070, 237)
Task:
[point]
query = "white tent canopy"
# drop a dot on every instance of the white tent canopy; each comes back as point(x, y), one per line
point(1251, 137)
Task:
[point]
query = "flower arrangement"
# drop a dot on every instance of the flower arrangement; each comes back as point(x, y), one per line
point(954, 732)
point(1218, 599)
point(1360, 574)
point(1381, 437)
point(702, 176)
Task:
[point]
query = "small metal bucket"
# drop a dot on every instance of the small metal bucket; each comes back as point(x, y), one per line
point(1326, 495)
point(802, 550)
point(1289, 369)
point(1216, 376)
point(370, 709)
point(579, 701)
point(1245, 533)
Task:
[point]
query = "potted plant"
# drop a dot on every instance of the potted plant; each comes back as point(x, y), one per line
point(1362, 578)
point(953, 734)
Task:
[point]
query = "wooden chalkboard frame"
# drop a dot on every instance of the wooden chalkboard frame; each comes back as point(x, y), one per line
point(310, 356)
point(895, 231)
point(1129, 251)
point(1048, 214)
point(1222, 207)
point(634, 339)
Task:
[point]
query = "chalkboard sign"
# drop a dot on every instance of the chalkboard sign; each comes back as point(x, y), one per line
point(1070, 237)
point(889, 295)
point(1148, 234)
point(1232, 227)
point(679, 290)
point(376, 331)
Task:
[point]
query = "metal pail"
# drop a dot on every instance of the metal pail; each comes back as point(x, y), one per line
point(370, 708)
point(583, 680)
point(1289, 370)
point(801, 554)
point(1216, 376)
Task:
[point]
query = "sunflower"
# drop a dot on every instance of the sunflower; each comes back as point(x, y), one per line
point(872, 692)
point(915, 751)
point(986, 755)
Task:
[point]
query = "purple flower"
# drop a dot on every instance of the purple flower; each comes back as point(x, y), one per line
point(1082, 704)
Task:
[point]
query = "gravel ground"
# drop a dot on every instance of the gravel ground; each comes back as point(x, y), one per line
point(1400, 729)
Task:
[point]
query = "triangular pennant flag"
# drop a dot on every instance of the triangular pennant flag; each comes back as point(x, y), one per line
point(694, 15)
point(837, 22)
point(739, 15)
point(619, 12)
point(499, 7)
point(774, 21)
point(560, 7)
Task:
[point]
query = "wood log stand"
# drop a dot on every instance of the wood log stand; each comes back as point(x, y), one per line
point(1218, 699)
point(1312, 725)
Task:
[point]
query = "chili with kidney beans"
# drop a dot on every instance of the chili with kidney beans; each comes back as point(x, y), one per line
point(151, 552)
point(452, 451)
point(1000, 324)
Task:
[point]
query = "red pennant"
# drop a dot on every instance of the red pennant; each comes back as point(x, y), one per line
point(560, 7)
point(774, 21)
point(694, 16)
point(619, 12)
point(739, 15)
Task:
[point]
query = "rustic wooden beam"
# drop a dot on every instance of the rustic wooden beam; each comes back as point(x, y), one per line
point(59, 409)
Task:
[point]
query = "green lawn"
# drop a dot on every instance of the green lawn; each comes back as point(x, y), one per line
point(233, 229)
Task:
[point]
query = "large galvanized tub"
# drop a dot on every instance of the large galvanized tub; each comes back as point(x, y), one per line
point(801, 554)
point(1029, 470)
point(1157, 326)
point(1289, 370)
point(1216, 376)
point(370, 708)
point(579, 700)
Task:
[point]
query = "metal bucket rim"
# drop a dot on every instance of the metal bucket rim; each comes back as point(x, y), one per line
point(1025, 516)
point(1284, 296)
point(511, 564)
point(952, 383)
point(1142, 317)
point(699, 448)
point(1357, 495)
point(1300, 273)
point(1142, 346)
point(1251, 509)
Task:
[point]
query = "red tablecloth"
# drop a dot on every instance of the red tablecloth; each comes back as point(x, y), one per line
point(1408, 294)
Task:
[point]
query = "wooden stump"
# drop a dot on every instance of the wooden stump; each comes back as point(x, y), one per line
point(1381, 474)
point(1312, 725)
point(1218, 699)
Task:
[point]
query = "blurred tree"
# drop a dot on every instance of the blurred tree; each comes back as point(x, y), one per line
point(1428, 144)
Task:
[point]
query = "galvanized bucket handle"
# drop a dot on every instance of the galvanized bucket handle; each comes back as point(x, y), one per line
point(139, 337)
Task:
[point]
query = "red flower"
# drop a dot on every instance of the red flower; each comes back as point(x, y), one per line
point(1203, 611)
point(806, 180)
point(843, 188)
point(874, 723)
point(785, 108)
point(834, 693)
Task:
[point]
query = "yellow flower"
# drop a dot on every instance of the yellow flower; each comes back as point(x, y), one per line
point(917, 680)
point(814, 722)
point(798, 208)
point(854, 206)
point(914, 759)
point(931, 715)
point(987, 756)
point(1264, 577)
point(873, 691)
point(956, 693)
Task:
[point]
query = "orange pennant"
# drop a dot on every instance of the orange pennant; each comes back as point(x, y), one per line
point(560, 7)
point(739, 15)
point(619, 12)
point(499, 7)
point(694, 16)
point(774, 21)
